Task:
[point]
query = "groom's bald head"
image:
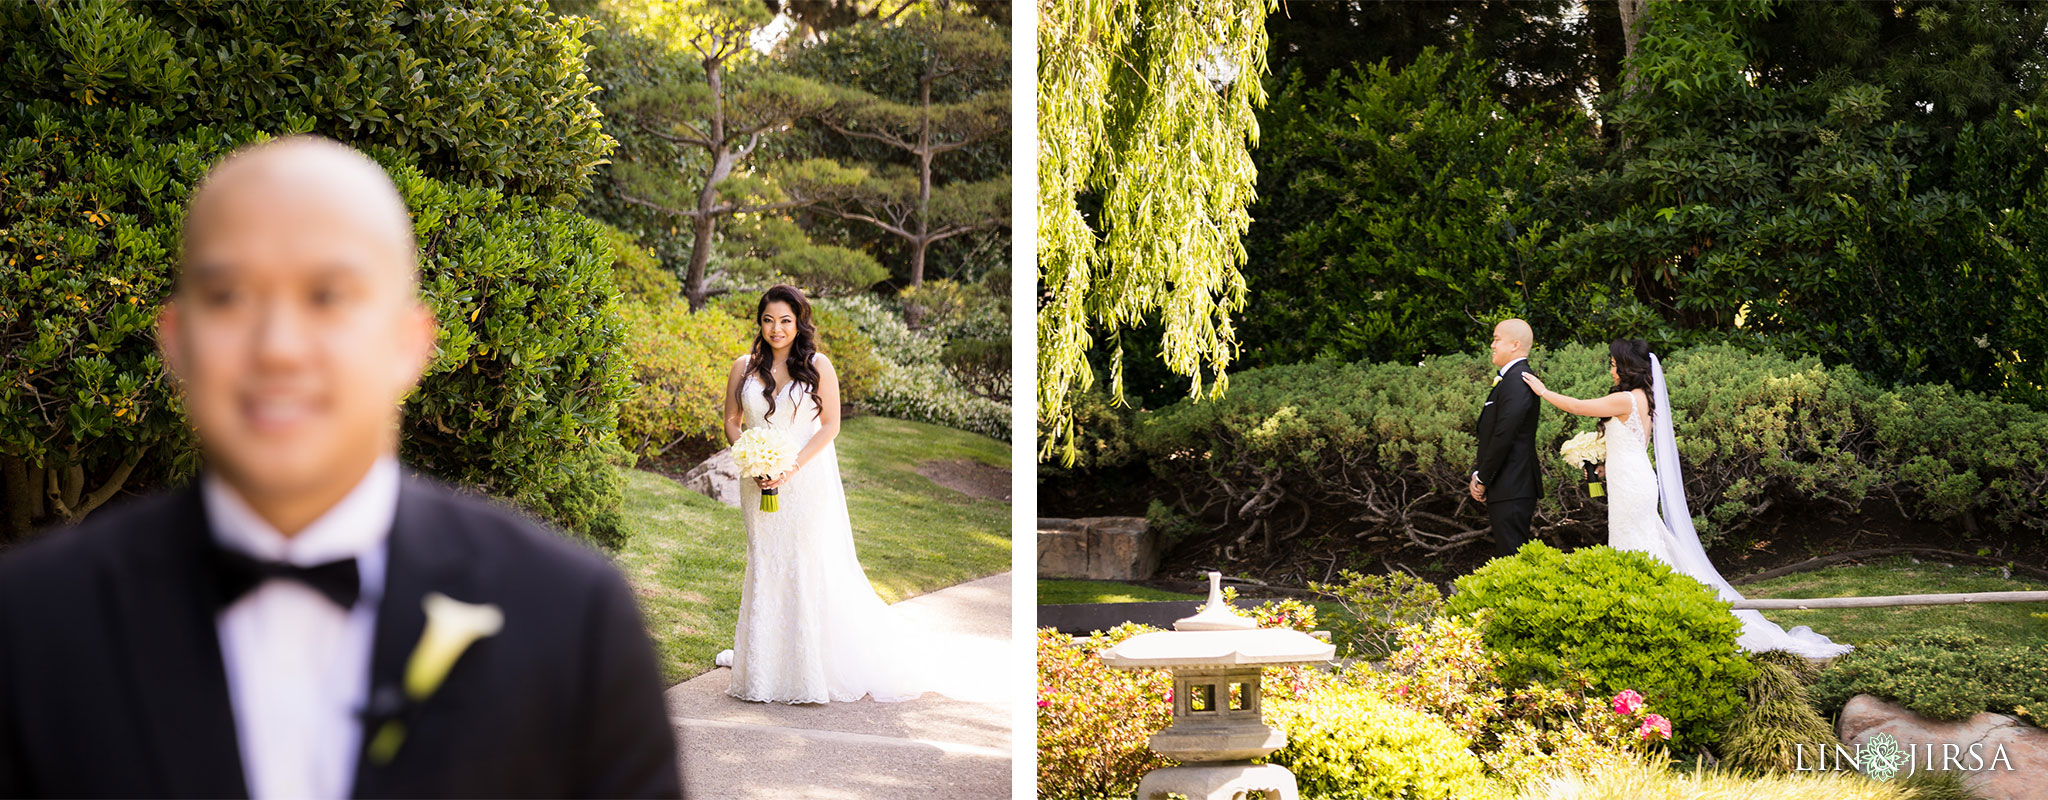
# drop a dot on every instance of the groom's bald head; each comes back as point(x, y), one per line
point(297, 325)
point(1512, 339)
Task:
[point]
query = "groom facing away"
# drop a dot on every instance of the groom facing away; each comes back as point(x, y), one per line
point(251, 634)
point(1508, 479)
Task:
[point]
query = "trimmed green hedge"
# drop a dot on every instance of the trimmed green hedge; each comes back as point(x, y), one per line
point(1386, 449)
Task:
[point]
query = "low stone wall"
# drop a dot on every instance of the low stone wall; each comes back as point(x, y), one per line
point(1097, 548)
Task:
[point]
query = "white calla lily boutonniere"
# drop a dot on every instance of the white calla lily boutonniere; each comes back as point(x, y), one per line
point(452, 626)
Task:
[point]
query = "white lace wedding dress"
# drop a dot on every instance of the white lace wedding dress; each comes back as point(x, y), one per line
point(1634, 494)
point(811, 628)
point(1632, 520)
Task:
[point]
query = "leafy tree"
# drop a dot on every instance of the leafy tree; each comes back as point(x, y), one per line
point(1145, 125)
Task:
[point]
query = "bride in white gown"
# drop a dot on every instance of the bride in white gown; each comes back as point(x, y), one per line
point(1635, 489)
point(811, 628)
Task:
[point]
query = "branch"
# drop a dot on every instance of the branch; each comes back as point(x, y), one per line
point(878, 137)
point(776, 206)
point(659, 207)
point(701, 139)
point(854, 215)
point(112, 485)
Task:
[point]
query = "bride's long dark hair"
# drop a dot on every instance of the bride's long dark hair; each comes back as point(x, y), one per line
point(801, 347)
point(1632, 370)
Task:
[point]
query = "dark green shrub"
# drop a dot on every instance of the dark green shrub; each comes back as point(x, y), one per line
point(1323, 449)
point(1346, 743)
point(480, 113)
point(1621, 618)
point(490, 93)
point(1413, 199)
point(526, 378)
point(522, 401)
point(1945, 674)
point(1778, 718)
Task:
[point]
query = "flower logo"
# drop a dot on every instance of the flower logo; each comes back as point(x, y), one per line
point(1881, 757)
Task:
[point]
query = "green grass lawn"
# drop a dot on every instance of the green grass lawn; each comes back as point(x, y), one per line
point(1054, 592)
point(687, 551)
point(2002, 622)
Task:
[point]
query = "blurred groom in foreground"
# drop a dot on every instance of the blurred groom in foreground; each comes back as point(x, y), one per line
point(308, 620)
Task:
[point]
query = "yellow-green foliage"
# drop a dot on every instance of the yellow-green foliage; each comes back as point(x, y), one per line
point(636, 270)
point(1346, 743)
point(680, 363)
point(1655, 780)
point(1778, 718)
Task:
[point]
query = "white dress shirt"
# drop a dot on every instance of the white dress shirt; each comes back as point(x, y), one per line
point(297, 664)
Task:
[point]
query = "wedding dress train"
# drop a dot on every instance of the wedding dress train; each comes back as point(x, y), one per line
point(1636, 491)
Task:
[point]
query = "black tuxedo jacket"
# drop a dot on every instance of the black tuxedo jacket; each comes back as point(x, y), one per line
point(1507, 440)
point(111, 679)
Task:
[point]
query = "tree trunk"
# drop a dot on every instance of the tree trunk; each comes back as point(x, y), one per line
point(924, 180)
point(702, 228)
point(15, 492)
point(1631, 32)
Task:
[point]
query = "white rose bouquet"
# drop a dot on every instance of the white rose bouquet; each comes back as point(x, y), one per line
point(764, 453)
point(1586, 451)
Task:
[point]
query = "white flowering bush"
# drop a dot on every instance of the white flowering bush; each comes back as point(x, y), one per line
point(913, 381)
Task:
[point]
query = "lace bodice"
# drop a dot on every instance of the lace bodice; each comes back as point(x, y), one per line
point(795, 410)
point(1634, 425)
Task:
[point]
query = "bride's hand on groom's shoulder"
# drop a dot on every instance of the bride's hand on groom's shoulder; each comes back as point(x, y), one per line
point(1535, 383)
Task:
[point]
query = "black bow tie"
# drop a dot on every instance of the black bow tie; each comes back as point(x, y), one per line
point(239, 572)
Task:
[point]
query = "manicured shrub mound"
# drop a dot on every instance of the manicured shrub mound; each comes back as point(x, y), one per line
point(1622, 619)
point(1346, 743)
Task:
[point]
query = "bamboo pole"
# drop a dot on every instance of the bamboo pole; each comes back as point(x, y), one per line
point(1760, 604)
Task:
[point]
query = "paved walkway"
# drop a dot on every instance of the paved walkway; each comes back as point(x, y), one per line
point(932, 747)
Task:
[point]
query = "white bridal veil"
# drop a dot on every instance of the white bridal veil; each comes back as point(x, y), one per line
point(1758, 634)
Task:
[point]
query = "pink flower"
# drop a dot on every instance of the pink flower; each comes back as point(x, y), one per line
point(1169, 695)
point(1044, 703)
point(1654, 726)
point(1628, 703)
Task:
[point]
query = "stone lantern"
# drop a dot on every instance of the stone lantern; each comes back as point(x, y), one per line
point(1215, 735)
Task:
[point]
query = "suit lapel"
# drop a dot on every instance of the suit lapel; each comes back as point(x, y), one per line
point(165, 604)
point(426, 555)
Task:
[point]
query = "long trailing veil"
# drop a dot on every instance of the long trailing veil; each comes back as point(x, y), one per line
point(1758, 634)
